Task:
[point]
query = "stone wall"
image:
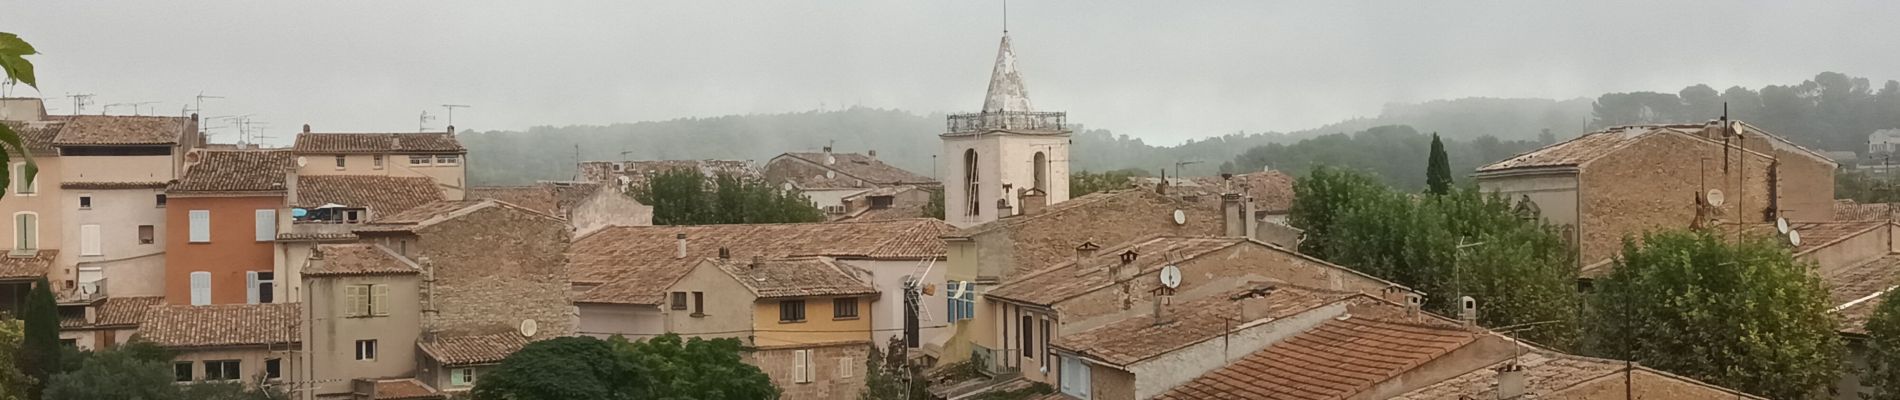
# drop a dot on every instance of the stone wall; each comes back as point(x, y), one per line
point(1051, 237)
point(1211, 274)
point(1653, 185)
point(837, 370)
point(493, 268)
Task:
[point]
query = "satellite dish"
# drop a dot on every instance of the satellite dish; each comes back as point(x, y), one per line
point(1794, 238)
point(1171, 276)
point(1180, 217)
point(1781, 225)
point(1715, 197)
point(301, 161)
point(529, 327)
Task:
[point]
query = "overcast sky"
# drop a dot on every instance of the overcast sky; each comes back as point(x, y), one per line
point(1161, 70)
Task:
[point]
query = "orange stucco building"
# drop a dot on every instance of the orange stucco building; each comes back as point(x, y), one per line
point(226, 210)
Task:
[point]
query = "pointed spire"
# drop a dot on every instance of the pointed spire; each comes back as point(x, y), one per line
point(1007, 92)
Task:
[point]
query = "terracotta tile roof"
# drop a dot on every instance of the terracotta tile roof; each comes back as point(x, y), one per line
point(37, 136)
point(317, 236)
point(235, 171)
point(1138, 338)
point(222, 325)
point(901, 207)
point(1060, 282)
point(122, 130)
point(1855, 291)
point(1590, 146)
point(112, 185)
point(427, 215)
point(1272, 191)
point(533, 197)
point(113, 312)
point(336, 143)
point(852, 167)
point(405, 389)
point(473, 349)
point(30, 267)
point(357, 259)
point(634, 264)
point(1848, 210)
point(781, 278)
point(382, 195)
point(637, 172)
point(1545, 373)
point(1816, 235)
point(1334, 360)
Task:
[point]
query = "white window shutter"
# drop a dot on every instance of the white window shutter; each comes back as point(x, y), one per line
point(801, 366)
point(200, 226)
point(356, 298)
point(266, 225)
point(250, 287)
point(845, 367)
point(89, 240)
point(379, 300)
point(200, 288)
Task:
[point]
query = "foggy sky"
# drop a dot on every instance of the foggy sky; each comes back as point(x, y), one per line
point(1163, 71)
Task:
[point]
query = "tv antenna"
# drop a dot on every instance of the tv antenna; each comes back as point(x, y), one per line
point(451, 111)
point(422, 122)
point(135, 106)
point(80, 101)
point(108, 108)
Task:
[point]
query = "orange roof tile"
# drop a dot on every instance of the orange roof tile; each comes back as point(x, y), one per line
point(1855, 291)
point(634, 264)
point(29, 267)
point(1272, 191)
point(852, 167)
point(1060, 282)
point(122, 130)
point(235, 171)
point(1335, 360)
point(1590, 146)
point(473, 349)
point(382, 195)
point(222, 325)
point(1139, 338)
point(782, 278)
point(37, 136)
point(334, 143)
point(404, 389)
point(357, 259)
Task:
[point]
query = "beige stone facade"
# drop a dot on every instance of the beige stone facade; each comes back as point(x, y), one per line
point(836, 370)
point(335, 330)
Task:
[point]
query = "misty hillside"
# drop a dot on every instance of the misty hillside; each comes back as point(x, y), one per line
point(909, 140)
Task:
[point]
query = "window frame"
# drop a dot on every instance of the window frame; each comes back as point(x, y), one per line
point(160, 200)
point(18, 171)
point(231, 368)
point(791, 311)
point(273, 369)
point(25, 239)
point(1026, 336)
point(266, 225)
point(341, 162)
point(85, 201)
point(89, 241)
point(199, 229)
point(186, 368)
point(699, 304)
point(366, 350)
point(425, 158)
point(1073, 379)
point(448, 160)
point(376, 161)
point(200, 294)
point(148, 234)
point(840, 305)
point(461, 377)
point(678, 299)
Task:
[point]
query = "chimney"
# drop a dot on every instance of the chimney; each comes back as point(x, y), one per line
point(829, 159)
point(1162, 304)
point(1124, 270)
point(871, 153)
point(451, 130)
point(724, 253)
point(306, 128)
point(1234, 216)
point(1468, 308)
point(1003, 209)
point(291, 197)
point(757, 260)
point(681, 254)
point(1082, 254)
point(1033, 201)
point(1510, 381)
point(1254, 305)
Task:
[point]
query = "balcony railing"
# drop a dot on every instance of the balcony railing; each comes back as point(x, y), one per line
point(994, 362)
point(1017, 121)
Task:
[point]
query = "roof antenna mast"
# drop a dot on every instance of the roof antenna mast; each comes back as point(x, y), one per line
point(1005, 17)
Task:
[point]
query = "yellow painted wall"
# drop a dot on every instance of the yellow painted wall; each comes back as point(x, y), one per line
point(819, 325)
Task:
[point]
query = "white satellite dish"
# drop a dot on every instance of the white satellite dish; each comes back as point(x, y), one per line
point(1715, 197)
point(1794, 238)
point(1171, 276)
point(1781, 225)
point(529, 327)
point(301, 161)
point(1180, 217)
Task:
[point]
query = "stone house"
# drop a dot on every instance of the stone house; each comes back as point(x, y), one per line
point(1884, 141)
point(325, 208)
point(622, 175)
point(804, 317)
point(897, 202)
point(113, 170)
point(227, 342)
point(1620, 182)
point(105, 322)
point(588, 206)
point(362, 316)
point(827, 177)
point(454, 363)
point(619, 274)
point(225, 210)
point(34, 211)
point(490, 266)
point(1104, 285)
point(434, 155)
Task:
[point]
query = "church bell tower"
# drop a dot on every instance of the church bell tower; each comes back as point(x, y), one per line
point(1004, 155)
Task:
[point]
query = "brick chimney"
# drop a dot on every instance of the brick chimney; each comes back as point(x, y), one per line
point(1236, 216)
point(1163, 312)
point(1125, 269)
point(1033, 200)
point(757, 260)
point(725, 253)
point(681, 254)
point(1253, 303)
point(829, 159)
point(1468, 311)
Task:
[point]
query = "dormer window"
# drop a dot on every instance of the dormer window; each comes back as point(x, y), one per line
point(881, 202)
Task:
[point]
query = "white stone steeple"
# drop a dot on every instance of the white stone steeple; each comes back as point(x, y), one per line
point(1007, 92)
point(1006, 154)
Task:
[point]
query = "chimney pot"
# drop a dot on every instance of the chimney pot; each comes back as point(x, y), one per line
point(681, 254)
point(1469, 311)
point(871, 153)
point(1254, 305)
point(1510, 381)
point(306, 128)
point(451, 129)
point(725, 253)
point(1082, 254)
point(757, 260)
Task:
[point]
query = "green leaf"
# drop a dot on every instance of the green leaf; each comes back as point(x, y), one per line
point(12, 59)
point(11, 140)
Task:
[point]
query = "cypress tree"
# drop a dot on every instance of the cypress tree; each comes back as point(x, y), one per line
point(39, 349)
point(1438, 169)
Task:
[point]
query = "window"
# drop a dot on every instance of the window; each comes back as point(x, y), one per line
point(85, 202)
point(181, 371)
point(266, 225)
point(962, 305)
point(679, 300)
point(1041, 173)
point(89, 240)
point(339, 161)
point(844, 308)
point(699, 304)
point(221, 370)
point(147, 234)
point(200, 226)
point(1028, 336)
point(1075, 378)
point(70, 343)
point(461, 377)
point(258, 286)
point(161, 201)
point(200, 288)
point(791, 311)
point(881, 202)
point(20, 174)
point(801, 365)
point(970, 184)
point(273, 368)
point(447, 159)
point(26, 231)
point(366, 350)
point(847, 366)
point(1045, 339)
point(367, 300)
point(419, 160)
point(376, 161)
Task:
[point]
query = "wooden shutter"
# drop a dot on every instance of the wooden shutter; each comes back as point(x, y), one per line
point(250, 287)
point(200, 226)
point(200, 288)
point(379, 300)
point(801, 369)
point(266, 225)
point(357, 299)
point(89, 240)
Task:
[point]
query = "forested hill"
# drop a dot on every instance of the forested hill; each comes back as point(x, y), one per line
point(909, 140)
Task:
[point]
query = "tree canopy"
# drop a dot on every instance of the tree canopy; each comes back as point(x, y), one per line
point(685, 197)
point(1883, 350)
point(697, 368)
point(664, 367)
point(1744, 315)
point(1438, 169)
point(13, 383)
point(40, 348)
point(1085, 182)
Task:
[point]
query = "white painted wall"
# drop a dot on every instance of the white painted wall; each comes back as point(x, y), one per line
point(1002, 158)
point(887, 313)
point(118, 213)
